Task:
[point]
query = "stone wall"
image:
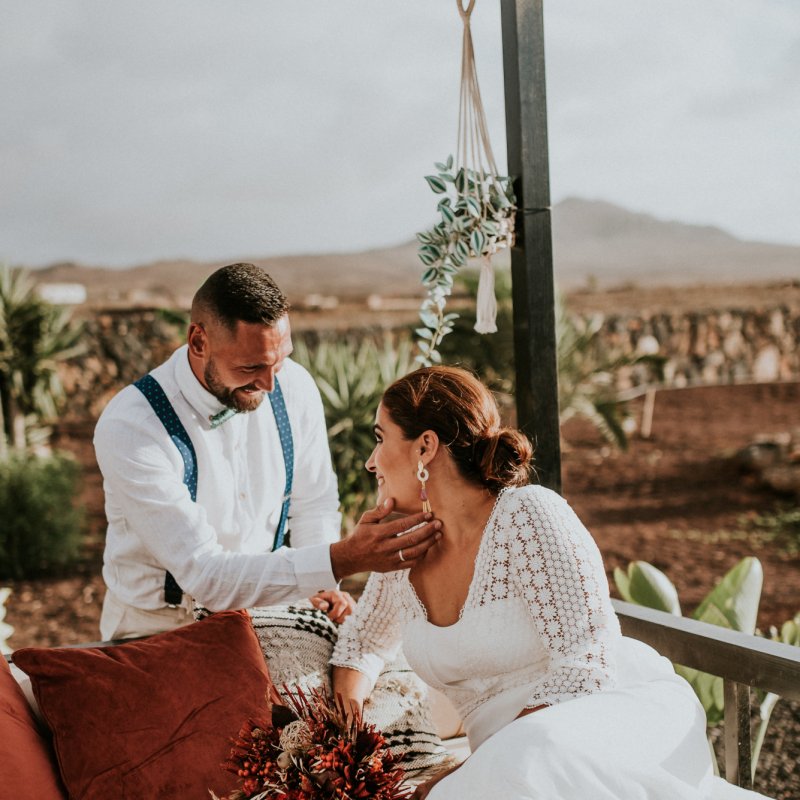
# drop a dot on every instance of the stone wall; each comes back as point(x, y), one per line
point(119, 347)
point(714, 347)
point(723, 346)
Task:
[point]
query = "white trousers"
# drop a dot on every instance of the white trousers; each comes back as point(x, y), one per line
point(122, 621)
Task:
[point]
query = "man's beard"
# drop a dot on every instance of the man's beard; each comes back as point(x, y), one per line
point(230, 398)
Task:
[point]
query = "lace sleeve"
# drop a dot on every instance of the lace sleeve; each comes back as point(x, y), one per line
point(371, 635)
point(557, 569)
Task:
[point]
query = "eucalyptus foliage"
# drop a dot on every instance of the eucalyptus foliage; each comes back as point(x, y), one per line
point(476, 220)
point(351, 376)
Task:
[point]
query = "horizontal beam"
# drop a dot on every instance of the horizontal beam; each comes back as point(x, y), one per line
point(750, 660)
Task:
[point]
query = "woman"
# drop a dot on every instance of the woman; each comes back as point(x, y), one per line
point(509, 615)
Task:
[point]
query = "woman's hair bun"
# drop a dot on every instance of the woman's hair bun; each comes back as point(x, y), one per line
point(464, 414)
point(503, 458)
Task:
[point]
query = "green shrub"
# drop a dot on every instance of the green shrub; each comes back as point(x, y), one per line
point(42, 526)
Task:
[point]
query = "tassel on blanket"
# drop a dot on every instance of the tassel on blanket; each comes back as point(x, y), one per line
point(486, 306)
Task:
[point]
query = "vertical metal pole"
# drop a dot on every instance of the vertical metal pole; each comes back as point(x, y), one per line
point(533, 290)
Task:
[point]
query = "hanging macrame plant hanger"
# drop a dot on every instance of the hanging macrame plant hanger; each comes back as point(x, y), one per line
point(475, 223)
point(474, 151)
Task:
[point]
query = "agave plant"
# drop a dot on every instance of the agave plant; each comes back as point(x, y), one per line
point(351, 376)
point(34, 337)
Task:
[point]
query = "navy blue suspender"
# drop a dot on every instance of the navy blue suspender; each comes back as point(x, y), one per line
point(151, 389)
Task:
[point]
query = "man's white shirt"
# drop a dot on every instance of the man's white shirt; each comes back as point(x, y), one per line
point(216, 548)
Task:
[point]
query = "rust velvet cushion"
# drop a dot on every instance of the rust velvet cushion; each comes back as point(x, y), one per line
point(27, 768)
point(152, 718)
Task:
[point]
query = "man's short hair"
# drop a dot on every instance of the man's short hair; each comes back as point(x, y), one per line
point(240, 293)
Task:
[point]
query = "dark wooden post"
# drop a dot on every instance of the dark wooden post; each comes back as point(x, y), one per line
point(533, 291)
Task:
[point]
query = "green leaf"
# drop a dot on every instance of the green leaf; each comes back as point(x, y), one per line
point(445, 201)
point(450, 162)
point(500, 201)
point(736, 597)
point(424, 237)
point(477, 241)
point(650, 587)
point(441, 167)
point(457, 259)
point(429, 319)
point(436, 183)
point(473, 206)
point(424, 333)
point(790, 630)
point(426, 258)
point(447, 214)
point(432, 250)
point(435, 356)
point(461, 181)
point(462, 249)
point(623, 584)
point(428, 275)
point(461, 224)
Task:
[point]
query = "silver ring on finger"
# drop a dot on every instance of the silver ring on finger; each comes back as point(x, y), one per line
point(400, 553)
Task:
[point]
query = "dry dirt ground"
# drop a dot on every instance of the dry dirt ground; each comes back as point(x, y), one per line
point(677, 500)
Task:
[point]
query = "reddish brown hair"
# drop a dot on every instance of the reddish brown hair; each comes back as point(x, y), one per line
point(463, 413)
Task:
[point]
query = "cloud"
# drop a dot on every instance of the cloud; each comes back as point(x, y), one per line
point(149, 129)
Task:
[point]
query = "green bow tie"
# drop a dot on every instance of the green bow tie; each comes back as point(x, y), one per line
point(217, 419)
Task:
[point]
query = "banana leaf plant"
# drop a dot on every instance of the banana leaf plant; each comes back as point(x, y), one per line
point(732, 603)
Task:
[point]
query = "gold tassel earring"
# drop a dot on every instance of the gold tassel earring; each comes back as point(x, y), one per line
point(422, 477)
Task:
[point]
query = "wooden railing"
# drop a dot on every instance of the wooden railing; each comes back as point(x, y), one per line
point(741, 660)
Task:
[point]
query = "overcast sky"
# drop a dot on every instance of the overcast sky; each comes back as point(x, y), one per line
point(133, 131)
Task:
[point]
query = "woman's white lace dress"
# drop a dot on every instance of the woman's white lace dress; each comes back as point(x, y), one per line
point(538, 628)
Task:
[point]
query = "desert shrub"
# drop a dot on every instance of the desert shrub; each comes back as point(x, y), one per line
point(351, 375)
point(42, 526)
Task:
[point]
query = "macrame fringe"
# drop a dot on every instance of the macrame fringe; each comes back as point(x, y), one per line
point(486, 304)
point(473, 147)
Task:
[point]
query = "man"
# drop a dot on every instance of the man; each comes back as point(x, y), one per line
point(196, 468)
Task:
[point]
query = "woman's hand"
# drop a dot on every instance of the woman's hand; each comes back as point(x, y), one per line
point(337, 605)
point(421, 792)
point(352, 687)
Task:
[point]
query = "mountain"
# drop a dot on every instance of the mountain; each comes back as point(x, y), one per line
point(595, 243)
point(609, 245)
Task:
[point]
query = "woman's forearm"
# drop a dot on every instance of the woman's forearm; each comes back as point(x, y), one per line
point(353, 686)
